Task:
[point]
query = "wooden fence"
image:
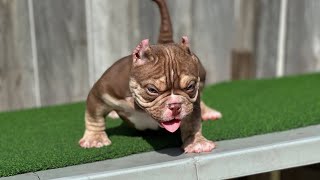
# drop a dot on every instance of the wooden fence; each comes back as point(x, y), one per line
point(52, 51)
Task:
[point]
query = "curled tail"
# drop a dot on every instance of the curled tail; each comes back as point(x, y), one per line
point(165, 26)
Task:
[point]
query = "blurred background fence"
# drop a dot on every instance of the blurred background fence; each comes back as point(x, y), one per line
point(52, 51)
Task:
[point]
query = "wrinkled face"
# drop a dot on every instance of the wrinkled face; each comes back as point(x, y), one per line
point(164, 82)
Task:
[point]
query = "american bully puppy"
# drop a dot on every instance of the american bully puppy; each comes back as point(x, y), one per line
point(157, 86)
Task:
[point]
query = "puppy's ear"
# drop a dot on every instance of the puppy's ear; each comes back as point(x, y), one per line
point(185, 44)
point(141, 53)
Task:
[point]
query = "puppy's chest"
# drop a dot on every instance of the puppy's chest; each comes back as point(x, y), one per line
point(127, 111)
point(141, 120)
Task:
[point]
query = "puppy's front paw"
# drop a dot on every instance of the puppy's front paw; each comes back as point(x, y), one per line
point(94, 140)
point(198, 146)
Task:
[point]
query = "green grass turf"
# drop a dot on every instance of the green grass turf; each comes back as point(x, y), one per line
point(46, 138)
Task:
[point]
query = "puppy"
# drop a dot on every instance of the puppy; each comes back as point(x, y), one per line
point(157, 86)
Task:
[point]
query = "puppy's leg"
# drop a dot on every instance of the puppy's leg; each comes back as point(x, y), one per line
point(95, 135)
point(192, 138)
point(208, 113)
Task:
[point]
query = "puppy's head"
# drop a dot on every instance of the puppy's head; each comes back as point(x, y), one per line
point(164, 81)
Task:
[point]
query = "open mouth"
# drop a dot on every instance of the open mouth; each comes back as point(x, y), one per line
point(172, 125)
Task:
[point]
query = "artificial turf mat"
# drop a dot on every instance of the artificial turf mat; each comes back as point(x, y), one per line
point(46, 138)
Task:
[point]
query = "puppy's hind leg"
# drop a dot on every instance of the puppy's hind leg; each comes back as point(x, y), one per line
point(208, 113)
point(95, 135)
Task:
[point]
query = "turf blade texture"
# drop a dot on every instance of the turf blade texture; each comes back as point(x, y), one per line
point(46, 138)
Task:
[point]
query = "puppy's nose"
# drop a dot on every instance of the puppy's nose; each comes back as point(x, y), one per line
point(175, 108)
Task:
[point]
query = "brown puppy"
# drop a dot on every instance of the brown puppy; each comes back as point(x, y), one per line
point(158, 86)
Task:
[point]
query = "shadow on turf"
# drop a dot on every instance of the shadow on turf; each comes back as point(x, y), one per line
point(162, 141)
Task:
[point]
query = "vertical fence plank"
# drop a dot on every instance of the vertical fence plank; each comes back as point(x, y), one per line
point(245, 22)
point(134, 25)
point(141, 20)
point(17, 88)
point(149, 20)
point(243, 62)
point(303, 37)
point(181, 18)
point(110, 23)
point(212, 36)
point(117, 28)
point(267, 29)
point(62, 50)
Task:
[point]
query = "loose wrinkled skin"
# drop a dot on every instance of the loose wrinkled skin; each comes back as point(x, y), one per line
point(155, 86)
point(169, 69)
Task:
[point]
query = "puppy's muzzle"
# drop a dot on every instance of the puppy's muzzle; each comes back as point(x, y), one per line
point(175, 108)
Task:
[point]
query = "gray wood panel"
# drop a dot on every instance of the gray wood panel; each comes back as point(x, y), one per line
point(243, 65)
point(266, 43)
point(149, 20)
point(114, 28)
point(245, 21)
point(180, 12)
point(212, 36)
point(112, 33)
point(118, 27)
point(17, 87)
point(62, 50)
point(131, 22)
point(303, 37)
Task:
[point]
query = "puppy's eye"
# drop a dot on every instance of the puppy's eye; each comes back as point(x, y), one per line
point(152, 90)
point(191, 87)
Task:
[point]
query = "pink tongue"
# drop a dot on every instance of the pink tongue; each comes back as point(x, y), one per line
point(172, 125)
